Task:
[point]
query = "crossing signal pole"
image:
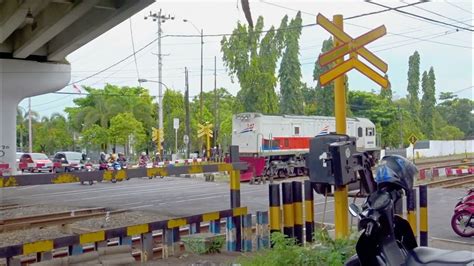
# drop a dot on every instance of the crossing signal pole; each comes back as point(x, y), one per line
point(345, 45)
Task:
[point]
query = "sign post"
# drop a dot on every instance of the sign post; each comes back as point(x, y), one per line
point(176, 127)
point(346, 45)
point(413, 139)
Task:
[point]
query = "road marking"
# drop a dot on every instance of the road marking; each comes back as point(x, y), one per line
point(113, 187)
point(113, 190)
point(133, 203)
point(27, 187)
point(139, 207)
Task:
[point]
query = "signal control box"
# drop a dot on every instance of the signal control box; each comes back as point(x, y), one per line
point(330, 160)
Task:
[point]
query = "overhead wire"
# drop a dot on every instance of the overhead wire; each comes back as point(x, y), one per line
point(421, 17)
point(449, 3)
point(134, 52)
point(441, 15)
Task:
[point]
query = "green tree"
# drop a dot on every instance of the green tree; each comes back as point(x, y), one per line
point(251, 56)
point(291, 101)
point(458, 112)
point(450, 133)
point(428, 102)
point(386, 93)
point(414, 83)
point(309, 99)
point(52, 134)
point(95, 137)
point(378, 110)
point(173, 107)
point(125, 130)
point(324, 96)
point(100, 105)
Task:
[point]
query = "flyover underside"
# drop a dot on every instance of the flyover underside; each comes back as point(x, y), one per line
point(20, 79)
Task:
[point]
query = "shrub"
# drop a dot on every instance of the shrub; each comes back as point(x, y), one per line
point(285, 251)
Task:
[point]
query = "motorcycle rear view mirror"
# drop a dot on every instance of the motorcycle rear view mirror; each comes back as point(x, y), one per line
point(354, 210)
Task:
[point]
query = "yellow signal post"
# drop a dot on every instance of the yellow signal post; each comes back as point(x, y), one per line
point(340, 193)
point(346, 45)
point(157, 136)
point(206, 130)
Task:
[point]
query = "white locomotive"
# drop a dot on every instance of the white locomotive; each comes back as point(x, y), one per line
point(283, 140)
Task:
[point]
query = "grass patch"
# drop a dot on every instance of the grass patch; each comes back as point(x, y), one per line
point(285, 251)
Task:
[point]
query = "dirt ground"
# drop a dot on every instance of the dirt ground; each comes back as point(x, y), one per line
point(223, 258)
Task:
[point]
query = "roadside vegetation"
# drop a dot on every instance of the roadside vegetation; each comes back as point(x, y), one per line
point(285, 251)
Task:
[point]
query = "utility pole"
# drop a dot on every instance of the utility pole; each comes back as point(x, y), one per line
point(216, 105)
point(201, 100)
point(186, 106)
point(30, 135)
point(400, 117)
point(159, 18)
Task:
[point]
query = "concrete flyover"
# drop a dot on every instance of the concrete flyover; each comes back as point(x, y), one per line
point(35, 38)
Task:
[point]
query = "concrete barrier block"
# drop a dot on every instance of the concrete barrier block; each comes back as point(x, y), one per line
point(83, 258)
point(118, 259)
point(123, 249)
point(53, 262)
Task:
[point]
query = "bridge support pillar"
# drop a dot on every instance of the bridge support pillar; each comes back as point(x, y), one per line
point(20, 79)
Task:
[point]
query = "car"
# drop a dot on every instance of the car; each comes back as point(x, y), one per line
point(69, 161)
point(18, 156)
point(35, 162)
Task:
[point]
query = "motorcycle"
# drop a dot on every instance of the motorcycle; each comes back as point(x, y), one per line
point(114, 166)
point(462, 220)
point(387, 239)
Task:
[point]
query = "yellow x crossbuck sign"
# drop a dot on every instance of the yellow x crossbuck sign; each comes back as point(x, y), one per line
point(353, 47)
point(205, 130)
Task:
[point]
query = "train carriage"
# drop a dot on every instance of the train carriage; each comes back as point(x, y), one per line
point(276, 145)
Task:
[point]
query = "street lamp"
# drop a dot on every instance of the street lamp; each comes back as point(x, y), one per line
point(153, 81)
point(202, 45)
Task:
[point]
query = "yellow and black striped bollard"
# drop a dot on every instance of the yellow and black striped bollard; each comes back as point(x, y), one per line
point(275, 214)
point(288, 211)
point(411, 208)
point(298, 210)
point(309, 210)
point(423, 215)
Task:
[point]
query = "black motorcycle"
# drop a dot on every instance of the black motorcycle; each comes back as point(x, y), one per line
point(386, 238)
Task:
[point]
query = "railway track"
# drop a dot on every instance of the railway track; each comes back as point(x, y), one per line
point(50, 219)
point(452, 182)
point(445, 163)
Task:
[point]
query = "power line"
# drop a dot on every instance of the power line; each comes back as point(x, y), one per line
point(236, 34)
point(441, 15)
point(133, 49)
point(421, 17)
point(384, 10)
point(387, 9)
point(449, 3)
point(114, 64)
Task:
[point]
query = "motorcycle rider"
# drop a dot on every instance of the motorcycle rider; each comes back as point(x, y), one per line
point(157, 159)
point(112, 158)
point(143, 160)
point(121, 159)
point(102, 161)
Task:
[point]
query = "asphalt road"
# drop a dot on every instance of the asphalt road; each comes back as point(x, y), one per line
point(179, 196)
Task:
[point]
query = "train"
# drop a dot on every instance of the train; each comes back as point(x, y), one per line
point(276, 145)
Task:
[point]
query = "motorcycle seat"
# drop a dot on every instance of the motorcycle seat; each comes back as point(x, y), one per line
point(434, 256)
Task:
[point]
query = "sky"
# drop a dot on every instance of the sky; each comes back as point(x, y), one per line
point(448, 49)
